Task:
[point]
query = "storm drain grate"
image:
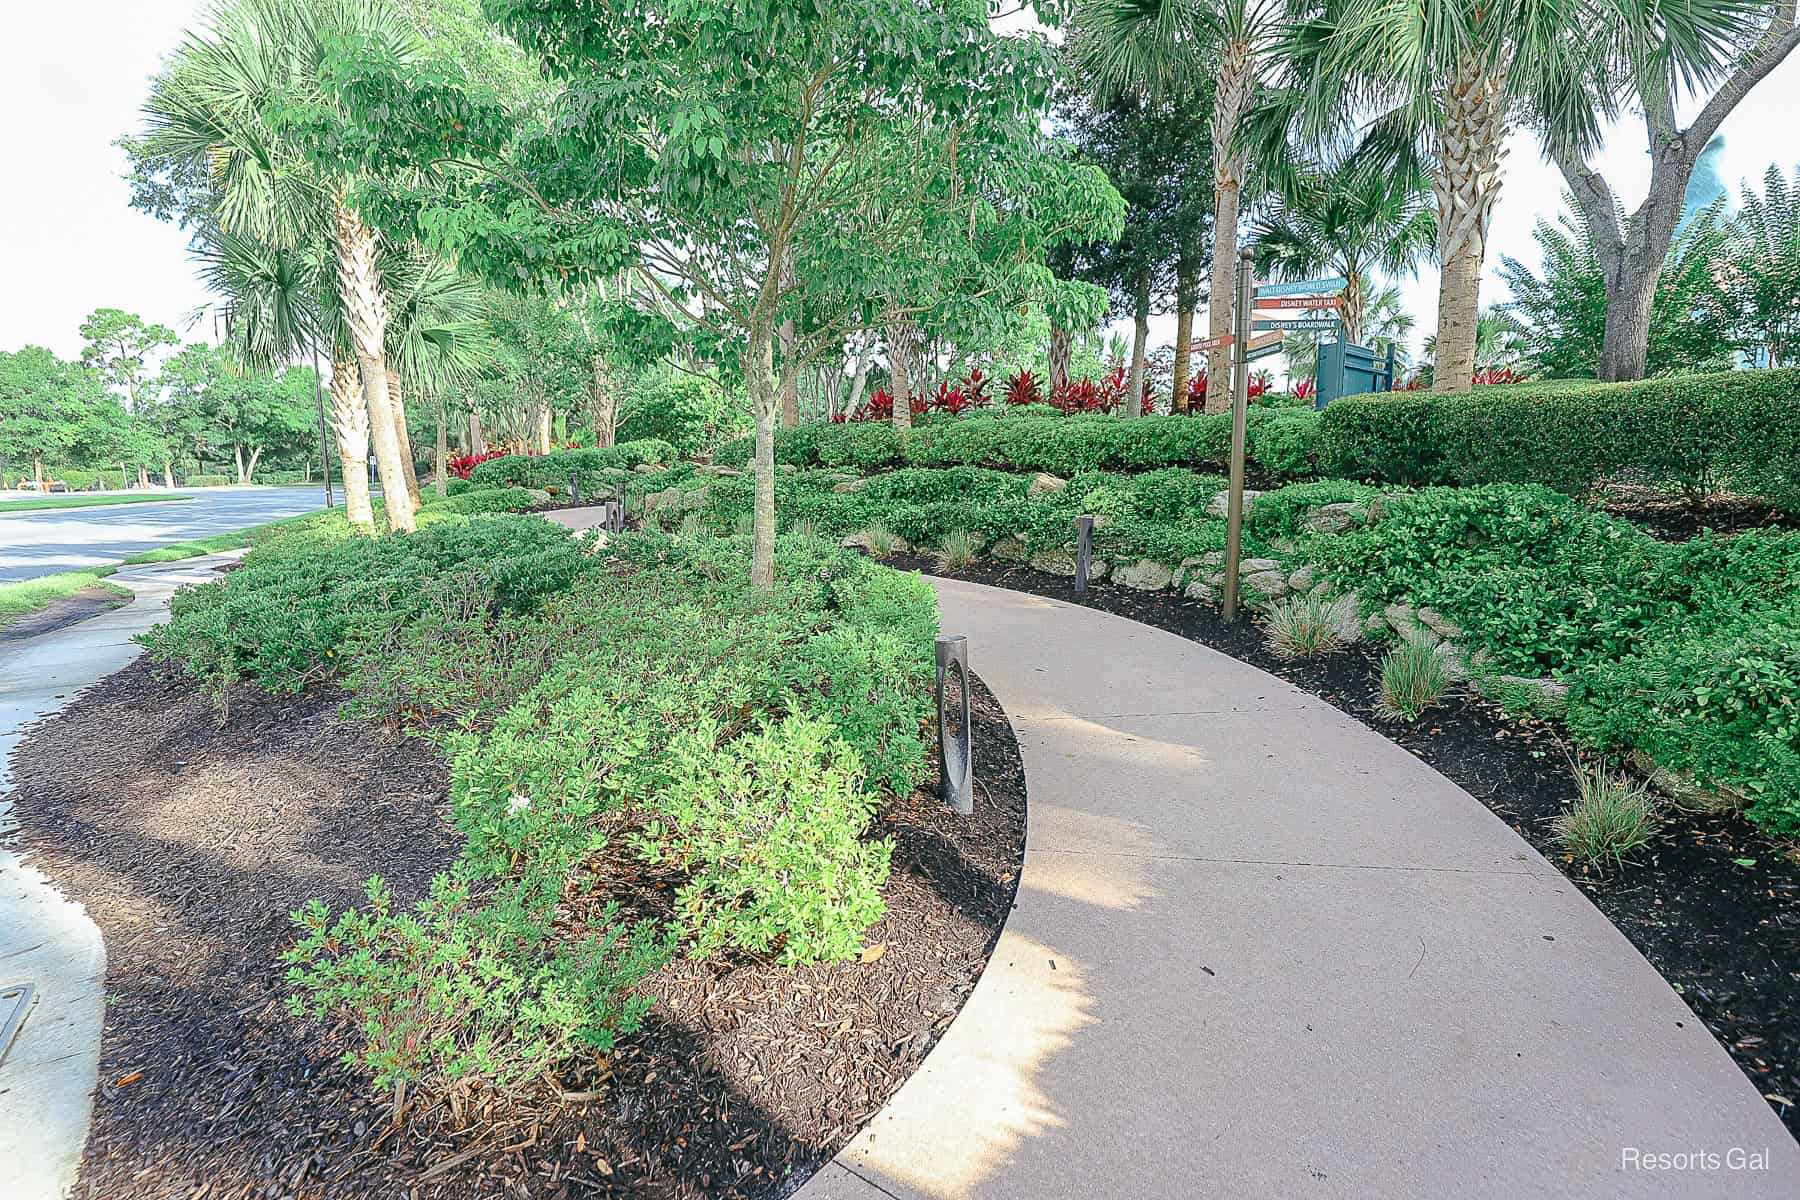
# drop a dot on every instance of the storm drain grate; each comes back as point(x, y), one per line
point(15, 1003)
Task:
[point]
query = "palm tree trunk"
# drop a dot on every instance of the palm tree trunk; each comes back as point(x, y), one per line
point(397, 402)
point(1140, 343)
point(365, 313)
point(1469, 149)
point(350, 429)
point(1352, 312)
point(1237, 78)
point(168, 473)
point(900, 339)
point(477, 443)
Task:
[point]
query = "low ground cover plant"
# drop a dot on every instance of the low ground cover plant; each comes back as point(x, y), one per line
point(599, 705)
point(596, 469)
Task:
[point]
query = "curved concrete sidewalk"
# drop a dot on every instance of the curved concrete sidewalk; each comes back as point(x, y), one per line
point(1260, 950)
point(47, 1081)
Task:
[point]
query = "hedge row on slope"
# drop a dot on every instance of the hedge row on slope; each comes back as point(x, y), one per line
point(1736, 429)
point(1282, 443)
point(554, 469)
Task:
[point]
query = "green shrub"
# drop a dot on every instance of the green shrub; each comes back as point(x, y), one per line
point(456, 487)
point(458, 990)
point(82, 480)
point(871, 684)
point(1696, 432)
point(487, 500)
point(597, 470)
point(770, 834)
point(200, 481)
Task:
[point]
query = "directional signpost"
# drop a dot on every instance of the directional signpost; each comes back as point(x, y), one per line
point(1305, 287)
point(1212, 343)
point(1293, 323)
point(1300, 302)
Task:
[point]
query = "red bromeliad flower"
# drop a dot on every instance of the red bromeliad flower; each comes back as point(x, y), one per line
point(1023, 388)
point(951, 400)
point(1197, 392)
point(879, 408)
point(1492, 375)
point(1306, 389)
point(975, 387)
point(461, 465)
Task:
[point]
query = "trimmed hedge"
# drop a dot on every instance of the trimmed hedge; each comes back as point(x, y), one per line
point(1736, 429)
point(1283, 442)
point(554, 469)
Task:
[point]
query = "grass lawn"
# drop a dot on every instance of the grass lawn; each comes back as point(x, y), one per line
point(37, 503)
point(27, 596)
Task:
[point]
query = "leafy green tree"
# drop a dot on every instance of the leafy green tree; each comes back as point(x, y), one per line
point(1560, 314)
point(247, 414)
point(730, 154)
point(1762, 269)
point(1705, 58)
point(54, 412)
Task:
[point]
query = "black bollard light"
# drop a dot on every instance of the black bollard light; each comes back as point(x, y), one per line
point(1084, 552)
point(575, 487)
point(955, 750)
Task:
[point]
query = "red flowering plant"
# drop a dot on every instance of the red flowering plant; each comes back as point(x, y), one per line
point(1023, 389)
point(1197, 392)
point(1489, 376)
point(975, 387)
point(1306, 389)
point(951, 400)
point(879, 408)
point(462, 465)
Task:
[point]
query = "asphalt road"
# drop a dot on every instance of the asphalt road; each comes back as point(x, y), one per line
point(43, 543)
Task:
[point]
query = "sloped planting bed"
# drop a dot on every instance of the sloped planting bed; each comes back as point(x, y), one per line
point(1713, 903)
point(189, 843)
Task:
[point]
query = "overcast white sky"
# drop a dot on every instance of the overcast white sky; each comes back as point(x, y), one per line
point(73, 73)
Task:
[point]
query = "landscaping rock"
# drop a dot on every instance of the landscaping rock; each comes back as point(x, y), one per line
point(1043, 484)
point(1256, 566)
point(1269, 585)
point(1056, 561)
point(539, 495)
point(787, 468)
point(1301, 580)
point(1008, 549)
point(1684, 789)
point(1202, 591)
point(1098, 569)
point(1439, 624)
point(1403, 619)
point(849, 485)
point(648, 469)
point(861, 541)
point(1222, 500)
point(1336, 518)
point(1146, 575)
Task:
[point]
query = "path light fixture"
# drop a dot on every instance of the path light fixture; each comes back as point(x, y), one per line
point(1240, 400)
point(955, 752)
point(575, 486)
point(1084, 552)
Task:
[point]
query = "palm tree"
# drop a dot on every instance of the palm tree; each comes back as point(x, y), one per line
point(1148, 45)
point(1459, 71)
point(214, 104)
point(280, 302)
point(438, 336)
point(1351, 217)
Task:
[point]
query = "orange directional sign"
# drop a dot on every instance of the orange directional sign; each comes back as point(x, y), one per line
point(1214, 343)
point(1300, 302)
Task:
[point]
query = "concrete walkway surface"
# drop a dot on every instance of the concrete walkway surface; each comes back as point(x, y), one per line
point(47, 1081)
point(1261, 951)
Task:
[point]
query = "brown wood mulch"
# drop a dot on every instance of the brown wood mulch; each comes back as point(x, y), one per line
point(189, 844)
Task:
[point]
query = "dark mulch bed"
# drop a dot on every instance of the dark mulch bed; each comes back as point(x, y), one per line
point(1726, 936)
point(1674, 518)
point(59, 614)
point(189, 844)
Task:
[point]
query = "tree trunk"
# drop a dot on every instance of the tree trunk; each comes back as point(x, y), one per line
point(1353, 307)
point(250, 471)
point(544, 422)
point(1185, 288)
point(790, 379)
point(1062, 345)
point(759, 369)
point(860, 380)
point(168, 473)
point(900, 347)
point(37, 470)
point(365, 313)
point(408, 460)
point(477, 444)
point(1140, 343)
point(237, 454)
point(442, 465)
point(350, 429)
point(1469, 147)
point(603, 403)
point(1236, 79)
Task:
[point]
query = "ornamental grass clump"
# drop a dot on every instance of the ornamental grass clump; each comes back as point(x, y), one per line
point(958, 549)
point(881, 541)
point(1611, 817)
point(1415, 675)
point(1311, 626)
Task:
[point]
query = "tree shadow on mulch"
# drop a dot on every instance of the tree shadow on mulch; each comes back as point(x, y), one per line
point(190, 843)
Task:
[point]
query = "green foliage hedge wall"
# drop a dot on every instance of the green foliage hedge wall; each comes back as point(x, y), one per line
point(1736, 429)
point(554, 469)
